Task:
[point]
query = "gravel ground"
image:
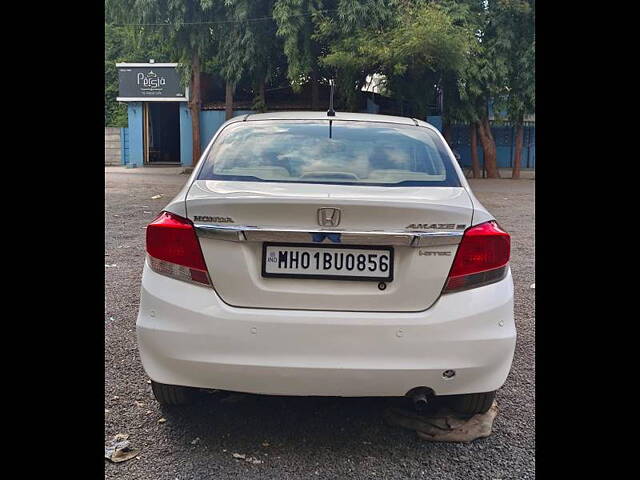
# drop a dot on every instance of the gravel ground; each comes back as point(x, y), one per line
point(297, 437)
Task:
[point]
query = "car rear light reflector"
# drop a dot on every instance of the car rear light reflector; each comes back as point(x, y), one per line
point(174, 249)
point(482, 258)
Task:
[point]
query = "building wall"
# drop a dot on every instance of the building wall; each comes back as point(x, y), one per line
point(436, 121)
point(136, 153)
point(112, 152)
point(210, 122)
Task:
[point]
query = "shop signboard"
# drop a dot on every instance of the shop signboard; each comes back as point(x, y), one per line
point(150, 82)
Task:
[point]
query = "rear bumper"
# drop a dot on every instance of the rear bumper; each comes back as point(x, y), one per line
point(188, 336)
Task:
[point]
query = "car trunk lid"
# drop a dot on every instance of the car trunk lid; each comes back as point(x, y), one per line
point(243, 215)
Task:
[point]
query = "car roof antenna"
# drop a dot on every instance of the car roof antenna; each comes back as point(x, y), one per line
point(331, 112)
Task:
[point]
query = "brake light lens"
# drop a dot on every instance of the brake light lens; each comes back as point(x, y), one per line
point(482, 258)
point(174, 249)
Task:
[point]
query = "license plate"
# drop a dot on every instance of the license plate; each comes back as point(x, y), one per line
point(344, 262)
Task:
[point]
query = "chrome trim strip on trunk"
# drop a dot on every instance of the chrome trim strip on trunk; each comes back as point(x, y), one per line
point(401, 238)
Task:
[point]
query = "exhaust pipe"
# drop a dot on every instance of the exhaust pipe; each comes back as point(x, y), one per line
point(420, 401)
point(420, 397)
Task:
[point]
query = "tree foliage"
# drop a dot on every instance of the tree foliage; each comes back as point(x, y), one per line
point(411, 48)
point(514, 44)
point(183, 25)
point(474, 51)
point(295, 25)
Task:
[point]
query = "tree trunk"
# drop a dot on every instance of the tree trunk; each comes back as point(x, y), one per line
point(488, 148)
point(475, 162)
point(315, 95)
point(517, 158)
point(228, 101)
point(261, 92)
point(194, 107)
point(446, 130)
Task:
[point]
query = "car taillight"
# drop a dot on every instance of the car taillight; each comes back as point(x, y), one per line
point(174, 249)
point(482, 258)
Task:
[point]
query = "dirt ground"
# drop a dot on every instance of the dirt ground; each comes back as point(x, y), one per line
point(297, 437)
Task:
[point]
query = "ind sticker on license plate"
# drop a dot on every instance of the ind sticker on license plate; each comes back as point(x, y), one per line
point(330, 262)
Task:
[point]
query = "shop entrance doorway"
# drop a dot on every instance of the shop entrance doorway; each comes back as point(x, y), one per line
point(162, 133)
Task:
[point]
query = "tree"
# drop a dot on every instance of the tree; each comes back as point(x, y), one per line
point(469, 91)
point(308, 28)
point(185, 26)
point(342, 21)
point(477, 87)
point(515, 36)
point(295, 25)
point(406, 45)
point(247, 47)
point(235, 46)
point(268, 55)
point(115, 114)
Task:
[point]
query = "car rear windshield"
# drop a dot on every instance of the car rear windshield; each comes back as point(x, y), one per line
point(336, 152)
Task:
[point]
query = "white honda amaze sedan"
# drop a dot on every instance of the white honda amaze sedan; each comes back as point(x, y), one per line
point(327, 255)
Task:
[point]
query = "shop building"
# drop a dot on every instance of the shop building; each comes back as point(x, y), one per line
point(159, 120)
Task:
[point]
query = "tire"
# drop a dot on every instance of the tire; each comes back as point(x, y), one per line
point(172, 394)
point(473, 403)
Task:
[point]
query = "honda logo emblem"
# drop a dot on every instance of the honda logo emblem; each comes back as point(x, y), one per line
point(328, 217)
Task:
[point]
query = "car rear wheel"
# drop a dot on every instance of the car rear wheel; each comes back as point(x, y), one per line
point(172, 394)
point(472, 403)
